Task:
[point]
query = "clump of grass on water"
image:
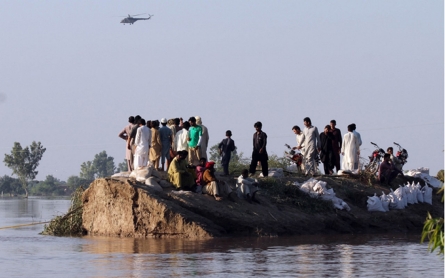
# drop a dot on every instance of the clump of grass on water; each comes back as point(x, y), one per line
point(69, 224)
point(287, 193)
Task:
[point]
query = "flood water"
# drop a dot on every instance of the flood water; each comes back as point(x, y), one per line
point(25, 253)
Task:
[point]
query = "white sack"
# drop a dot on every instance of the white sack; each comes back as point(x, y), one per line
point(399, 196)
point(385, 201)
point(165, 184)
point(121, 175)
point(374, 204)
point(427, 194)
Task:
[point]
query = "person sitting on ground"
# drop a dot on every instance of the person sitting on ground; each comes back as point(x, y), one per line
point(246, 188)
point(178, 173)
point(199, 171)
point(387, 171)
point(213, 186)
point(394, 159)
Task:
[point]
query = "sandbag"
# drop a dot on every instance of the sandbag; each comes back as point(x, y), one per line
point(317, 189)
point(151, 181)
point(399, 200)
point(121, 175)
point(374, 204)
point(165, 184)
point(385, 201)
point(340, 204)
point(275, 173)
point(327, 194)
point(133, 174)
point(419, 193)
point(156, 187)
point(427, 194)
point(155, 173)
point(409, 194)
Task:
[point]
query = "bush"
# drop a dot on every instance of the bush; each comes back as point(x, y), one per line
point(71, 223)
point(440, 175)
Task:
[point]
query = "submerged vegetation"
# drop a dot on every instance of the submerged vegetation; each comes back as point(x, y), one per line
point(69, 224)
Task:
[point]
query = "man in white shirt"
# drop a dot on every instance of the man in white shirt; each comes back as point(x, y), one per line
point(312, 146)
point(180, 143)
point(359, 138)
point(350, 150)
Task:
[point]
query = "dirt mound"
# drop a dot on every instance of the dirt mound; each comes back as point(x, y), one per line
point(124, 207)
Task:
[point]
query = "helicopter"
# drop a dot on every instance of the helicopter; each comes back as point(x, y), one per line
point(130, 19)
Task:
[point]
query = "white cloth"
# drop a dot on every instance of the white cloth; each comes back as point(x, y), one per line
point(300, 139)
point(142, 142)
point(245, 186)
point(350, 149)
point(358, 137)
point(312, 144)
point(180, 142)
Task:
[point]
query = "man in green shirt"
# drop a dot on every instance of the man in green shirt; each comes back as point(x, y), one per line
point(194, 142)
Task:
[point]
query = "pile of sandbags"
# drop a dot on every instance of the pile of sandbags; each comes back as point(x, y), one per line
point(275, 173)
point(148, 175)
point(318, 189)
point(424, 173)
point(401, 198)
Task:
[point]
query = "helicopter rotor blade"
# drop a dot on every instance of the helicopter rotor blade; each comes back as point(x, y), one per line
point(138, 14)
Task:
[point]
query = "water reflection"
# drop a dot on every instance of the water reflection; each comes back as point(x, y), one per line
point(336, 256)
point(305, 256)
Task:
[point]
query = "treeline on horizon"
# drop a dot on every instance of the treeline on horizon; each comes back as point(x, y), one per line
point(101, 166)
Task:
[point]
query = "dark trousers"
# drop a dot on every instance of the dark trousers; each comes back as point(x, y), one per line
point(336, 160)
point(327, 168)
point(225, 168)
point(389, 177)
point(262, 157)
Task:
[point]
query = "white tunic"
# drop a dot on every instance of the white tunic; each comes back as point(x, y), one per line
point(300, 139)
point(350, 149)
point(245, 186)
point(311, 141)
point(180, 142)
point(142, 142)
point(358, 137)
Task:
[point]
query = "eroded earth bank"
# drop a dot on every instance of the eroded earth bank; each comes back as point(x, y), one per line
point(124, 207)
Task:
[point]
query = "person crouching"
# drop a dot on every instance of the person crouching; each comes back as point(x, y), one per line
point(213, 186)
point(178, 173)
point(246, 188)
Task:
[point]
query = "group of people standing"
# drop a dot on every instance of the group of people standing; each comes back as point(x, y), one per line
point(160, 141)
point(327, 147)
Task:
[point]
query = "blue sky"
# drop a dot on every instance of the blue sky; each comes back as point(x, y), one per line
point(71, 74)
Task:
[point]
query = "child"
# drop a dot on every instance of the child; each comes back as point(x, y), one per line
point(226, 147)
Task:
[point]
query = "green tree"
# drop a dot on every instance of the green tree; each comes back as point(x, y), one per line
point(101, 166)
point(75, 182)
point(122, 167)
point(10, 185)
point(24, 162)
point(50, 186)
point(237, 160)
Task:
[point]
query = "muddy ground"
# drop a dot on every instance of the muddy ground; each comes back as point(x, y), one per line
point(127, 208)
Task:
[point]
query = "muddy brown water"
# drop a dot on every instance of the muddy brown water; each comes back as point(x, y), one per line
point(25, 253)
